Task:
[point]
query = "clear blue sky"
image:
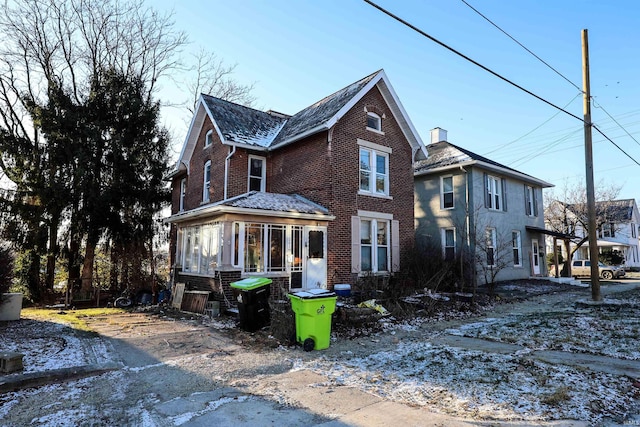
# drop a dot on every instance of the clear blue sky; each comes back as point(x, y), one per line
point(297, 52)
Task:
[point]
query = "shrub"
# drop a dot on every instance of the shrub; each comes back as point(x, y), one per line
point(6, 269)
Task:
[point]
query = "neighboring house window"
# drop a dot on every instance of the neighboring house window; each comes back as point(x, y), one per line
point(633, 230)
point(516, 245)
point(374, 245)
point(374, 122)
point(491, 247)
point(208, 139)
point(257, 173)
point(530, 204)
point(183, 192)
point(607, 230)
point(449, 243)
point(201, 248)
point(495, 193)
point(374, 172)
point(446, 192)
point(206, 185)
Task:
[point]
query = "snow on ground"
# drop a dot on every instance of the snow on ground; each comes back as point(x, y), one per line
point(48, 345)
point(461, 382)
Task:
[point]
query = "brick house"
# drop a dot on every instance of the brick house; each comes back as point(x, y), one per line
point(309, 200)
point(469, 204)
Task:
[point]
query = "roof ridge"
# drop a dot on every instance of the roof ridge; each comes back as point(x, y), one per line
point(239, 105)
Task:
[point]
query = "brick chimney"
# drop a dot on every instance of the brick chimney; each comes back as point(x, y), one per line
point(438, 135)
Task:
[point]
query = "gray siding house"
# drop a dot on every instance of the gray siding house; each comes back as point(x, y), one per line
point(473, 207)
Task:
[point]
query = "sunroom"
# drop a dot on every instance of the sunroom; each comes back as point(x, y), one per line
point(279, 236)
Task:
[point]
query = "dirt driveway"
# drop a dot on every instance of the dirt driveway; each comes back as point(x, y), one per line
point(160, 370)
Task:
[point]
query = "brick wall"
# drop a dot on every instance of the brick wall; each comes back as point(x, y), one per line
point(328, 174)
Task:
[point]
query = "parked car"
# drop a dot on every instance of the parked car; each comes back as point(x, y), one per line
point(583, 268)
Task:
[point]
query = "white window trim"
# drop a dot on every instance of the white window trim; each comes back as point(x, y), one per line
point(183, 193)
point(379, 119)
point(374, 146)
point(263, 178)
point(373, 172)
point(198, 231)
point(530, 201)
point(492, 233)
point(519, 247)
point(443, 238)
point(206, 185)
point(208, 139)
point(442, 178)
point(288, 248)
point(374, 246)
point(494, 189)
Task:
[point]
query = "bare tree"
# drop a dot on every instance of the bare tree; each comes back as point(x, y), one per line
point(566, 210)
point(210, 75)
point(51, 53)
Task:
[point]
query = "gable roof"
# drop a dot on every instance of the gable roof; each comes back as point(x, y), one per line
point(612, 210)
point(445, 156)
point(260, 203)
point(258, 130)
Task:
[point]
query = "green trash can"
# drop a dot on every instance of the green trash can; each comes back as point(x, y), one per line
point(313, 309)
point(252, 295)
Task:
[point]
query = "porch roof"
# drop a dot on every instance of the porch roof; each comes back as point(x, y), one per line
point(549, 232)
point(259, 203)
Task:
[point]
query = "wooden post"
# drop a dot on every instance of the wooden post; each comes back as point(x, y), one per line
point(588, 155)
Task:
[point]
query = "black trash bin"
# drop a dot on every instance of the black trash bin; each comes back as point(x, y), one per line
point(252, 295)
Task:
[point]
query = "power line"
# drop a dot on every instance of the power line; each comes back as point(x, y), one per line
point(615, 121)
point(532, 130)
point(487, 69)
point(523, 46)
point(462, 55)
point(617, 146)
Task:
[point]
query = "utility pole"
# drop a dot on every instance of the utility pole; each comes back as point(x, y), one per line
point(588, 156)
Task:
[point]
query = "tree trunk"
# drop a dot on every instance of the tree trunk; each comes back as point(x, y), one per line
point(52, 253)
point(87, 267)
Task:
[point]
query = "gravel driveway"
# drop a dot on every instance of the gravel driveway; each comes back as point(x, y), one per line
point(151, 369)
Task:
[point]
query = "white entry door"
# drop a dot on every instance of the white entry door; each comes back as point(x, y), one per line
point(535, 257)
point(314, 273)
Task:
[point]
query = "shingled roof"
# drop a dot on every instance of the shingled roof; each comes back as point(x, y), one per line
point(259, 203)
point(444, 155)
point(241, 124)
point(260, 130)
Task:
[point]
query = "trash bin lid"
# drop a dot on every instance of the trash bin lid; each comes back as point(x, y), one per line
point(314, 293)
point(251, 283)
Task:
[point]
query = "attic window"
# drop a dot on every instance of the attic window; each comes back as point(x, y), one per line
point(374, 122)
point(208, 140)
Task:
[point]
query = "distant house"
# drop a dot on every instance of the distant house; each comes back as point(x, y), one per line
point(320, 197)
point(618, 224)
point(466, 203)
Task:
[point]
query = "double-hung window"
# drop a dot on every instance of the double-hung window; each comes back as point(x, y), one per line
point(206, 182)
point(374, 245)
point(257, 173)
point(374, 169)
point(494, 196)
point(516, 246)
point(491, 247)
point(183, 192)
point(446, 192)
point(449, 243)
point(530, 201)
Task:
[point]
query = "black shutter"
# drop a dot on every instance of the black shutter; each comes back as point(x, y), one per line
point(486, 190)
point(504, 194)
point(535, 201)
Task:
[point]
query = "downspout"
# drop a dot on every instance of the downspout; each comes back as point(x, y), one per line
point(226, 169)
point(466, 222)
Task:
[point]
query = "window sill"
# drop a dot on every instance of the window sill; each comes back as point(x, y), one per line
point(448, 209)
point(380, 196)
point(379, 132)
point(373, 273)
point(264, 274)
